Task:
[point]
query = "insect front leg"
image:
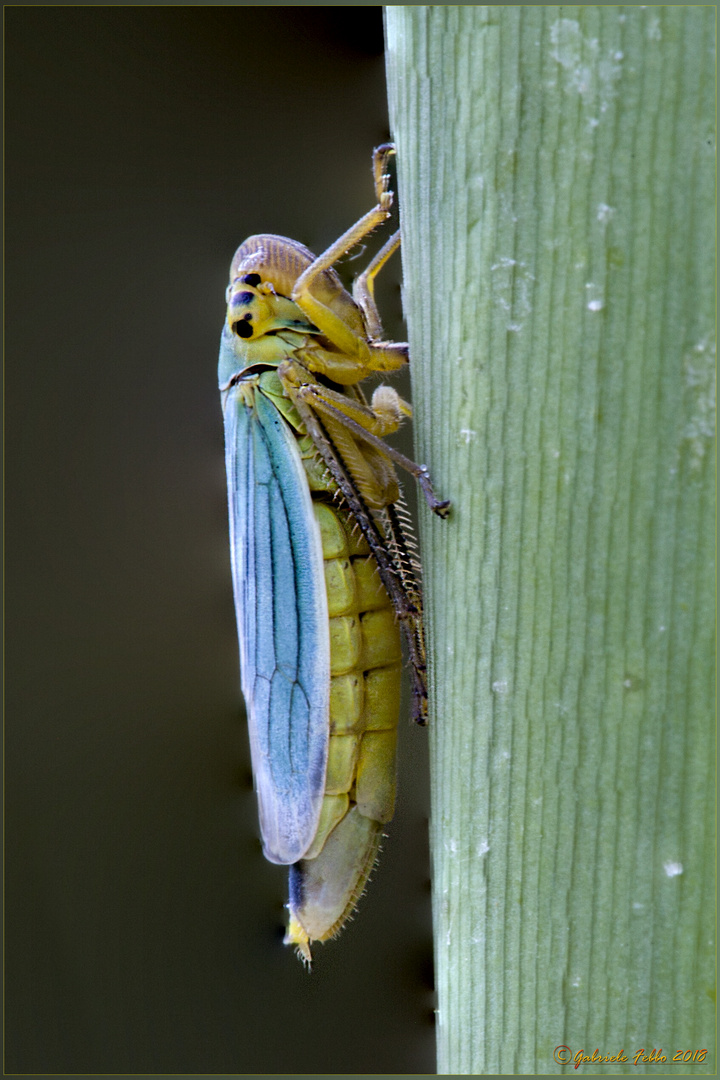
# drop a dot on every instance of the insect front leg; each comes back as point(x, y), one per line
point(382, 357)
point(331, 325)
point(364, 287)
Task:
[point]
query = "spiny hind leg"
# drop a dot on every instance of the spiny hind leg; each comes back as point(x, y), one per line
point(341, 474)
point(382, 531)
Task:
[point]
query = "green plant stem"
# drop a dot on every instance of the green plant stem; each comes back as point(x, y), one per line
point(556, 186)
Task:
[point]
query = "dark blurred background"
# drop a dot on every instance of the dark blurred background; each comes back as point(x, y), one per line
point(144, 927)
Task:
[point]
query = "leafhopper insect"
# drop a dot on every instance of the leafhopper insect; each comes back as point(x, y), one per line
point(324, 575)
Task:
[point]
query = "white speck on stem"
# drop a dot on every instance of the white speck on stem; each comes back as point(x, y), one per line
point(699, 373)
point(596, 303)
point(584, 70)
point(500, 686)
point(654, 33)
point(503, 262)
point(672, 869)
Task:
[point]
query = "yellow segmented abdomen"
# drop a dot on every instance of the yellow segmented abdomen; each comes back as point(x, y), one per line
point(365, 669)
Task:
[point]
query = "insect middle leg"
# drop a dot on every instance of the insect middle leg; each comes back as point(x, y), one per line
point(366, 423)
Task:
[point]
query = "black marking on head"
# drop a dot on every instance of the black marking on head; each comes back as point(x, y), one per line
point(251, 279)
point(243, 328)
point(243, 298)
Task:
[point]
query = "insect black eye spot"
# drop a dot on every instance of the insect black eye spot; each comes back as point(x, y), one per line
point(243, 298)
point(251, 279)
point(243, 328)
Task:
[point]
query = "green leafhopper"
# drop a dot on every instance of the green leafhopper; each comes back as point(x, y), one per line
point(324, 575)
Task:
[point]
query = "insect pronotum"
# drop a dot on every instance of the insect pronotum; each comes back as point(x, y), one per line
point(324, 574)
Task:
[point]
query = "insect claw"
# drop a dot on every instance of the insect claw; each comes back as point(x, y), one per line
point(438, 506)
